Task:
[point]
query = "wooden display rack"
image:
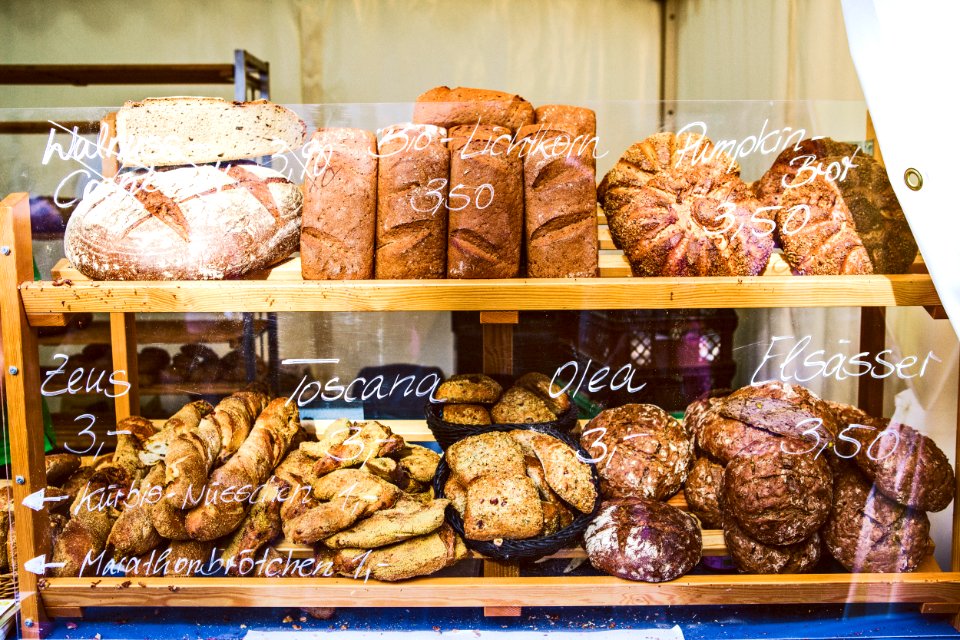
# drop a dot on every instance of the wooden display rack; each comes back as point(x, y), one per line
point(501, 590)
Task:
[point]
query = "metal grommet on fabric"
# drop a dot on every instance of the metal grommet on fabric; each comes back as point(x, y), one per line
point(5, 250)
point(913, 179)
point(13, 371)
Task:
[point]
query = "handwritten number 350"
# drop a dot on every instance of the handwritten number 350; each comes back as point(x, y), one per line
point(435, 191)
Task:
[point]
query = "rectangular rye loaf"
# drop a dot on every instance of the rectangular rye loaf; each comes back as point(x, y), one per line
point(579, 122)
point(339, 206)
point(190, 130)
point(486, 204)
point(560, 205)
point(412, 203)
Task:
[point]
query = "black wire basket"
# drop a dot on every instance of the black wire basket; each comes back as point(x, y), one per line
point(533, 548)
point(446, 433)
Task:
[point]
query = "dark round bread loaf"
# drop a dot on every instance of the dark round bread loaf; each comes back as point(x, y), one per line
point(777, 493)
point(778, 177)
point(855, 224)
point(753, 556)
point(641, 451)
point(643, 540)
point(676, 206)
point(782, 408)
point(153, 359)
point(702, 490)
point(869, 533)
point(723, 438)
point(693, 416)
point(905, 465)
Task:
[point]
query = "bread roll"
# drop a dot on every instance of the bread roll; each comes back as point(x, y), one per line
point(412, 184)
point(446, 107)
point(560, 205)
point(339, 206)
point(188, 130)
point(486, 208)
point(190, 223)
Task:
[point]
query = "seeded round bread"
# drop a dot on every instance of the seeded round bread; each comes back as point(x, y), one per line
point(905, 465)
point(466, 414)
point(537, 383)
point(752, 556)
point(723, 438)
point(518, 406)
point(643, 540)
point(782, 408)
point(469, 388)
point(676, 206)
point(641, 451)
point(702, 490)
point(855, 226)
point(778, 494)
point(869, 533)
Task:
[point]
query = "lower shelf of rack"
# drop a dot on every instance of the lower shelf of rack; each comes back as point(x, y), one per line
point(925, 588)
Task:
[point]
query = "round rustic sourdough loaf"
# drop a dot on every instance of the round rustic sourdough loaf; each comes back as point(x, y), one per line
point(702, 490)
point(752, 556)
point(782, 408)
point(641, 451)
point(870, 533)
point(676, 206)
point(643, 540)
point(188, 223)
point(723, 438)
point(777, 493)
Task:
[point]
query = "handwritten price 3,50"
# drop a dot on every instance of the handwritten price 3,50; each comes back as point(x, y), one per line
point(482, 196)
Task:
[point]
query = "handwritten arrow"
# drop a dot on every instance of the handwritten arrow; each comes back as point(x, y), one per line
point(36, 499)
point(39, 564)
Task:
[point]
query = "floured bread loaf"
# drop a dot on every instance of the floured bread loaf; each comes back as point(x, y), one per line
point(161, 132)
point(190, 223)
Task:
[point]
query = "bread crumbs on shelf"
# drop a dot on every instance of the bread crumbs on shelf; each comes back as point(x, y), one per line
point(287, 620)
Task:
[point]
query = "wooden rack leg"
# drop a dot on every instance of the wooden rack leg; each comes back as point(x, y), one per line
point(873, 339)
point(955, 547)
point(22, 382)
point(123, 339)
point(498, 359)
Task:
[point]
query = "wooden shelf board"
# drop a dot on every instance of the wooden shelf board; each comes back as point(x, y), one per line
point(281, 288)
point(103, 74)
point(160, 332)
point(492, 592)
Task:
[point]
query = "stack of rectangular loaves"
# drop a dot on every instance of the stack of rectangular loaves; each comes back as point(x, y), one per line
point(476, 183)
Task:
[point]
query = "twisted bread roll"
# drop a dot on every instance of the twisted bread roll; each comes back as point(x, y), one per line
point(195, 447)
point(224, 506)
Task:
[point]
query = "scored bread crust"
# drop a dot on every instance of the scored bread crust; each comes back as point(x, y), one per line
point(158, 132)
point(856, 225)
point(340, 206)
point(778, 494)
point(643, 540)
point(666, 210)
point(190, 223)
point(775, 181)
point(753, 556)
point(867, 532)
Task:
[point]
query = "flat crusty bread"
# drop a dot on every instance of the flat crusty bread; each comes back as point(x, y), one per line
point(192, 130)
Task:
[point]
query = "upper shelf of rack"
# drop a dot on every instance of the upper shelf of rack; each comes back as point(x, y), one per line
point(282, 289)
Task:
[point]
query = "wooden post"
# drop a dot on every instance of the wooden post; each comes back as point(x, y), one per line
point(498, 359)
point(123, 342)
point(21, 372)
point(873, 340)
